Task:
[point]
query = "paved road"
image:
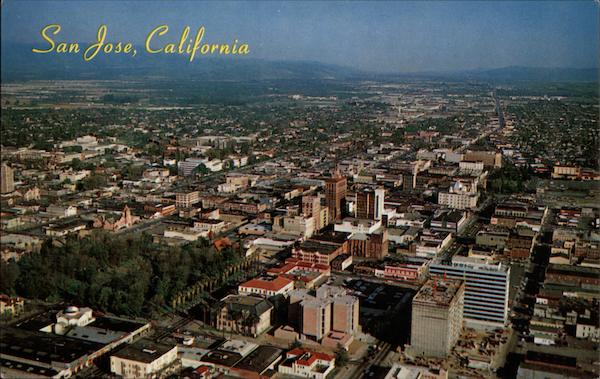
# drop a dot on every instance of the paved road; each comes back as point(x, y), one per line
point(499, 109)
point(379, 356)
point(174, 327)
point(524, 302)
point(142, 226)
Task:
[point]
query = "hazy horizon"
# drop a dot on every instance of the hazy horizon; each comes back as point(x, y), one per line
point(374, 37)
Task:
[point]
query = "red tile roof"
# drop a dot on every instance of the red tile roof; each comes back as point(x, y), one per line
point(202, 369)
point(270, 285)
point(222, 243)
point(307, 357)
point(292, 263)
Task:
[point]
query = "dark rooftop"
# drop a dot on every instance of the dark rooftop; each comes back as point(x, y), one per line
point(331, 237)
point(144, 350)
point(116, 324)
point(554, 359)
point(449, 216)
point(380, 296)
point(30, 369)
point(260, 359)
point(323, 248)
point(223, 358)
point(44, 347)
point(38, 321)
point(254, 305)
point(580, 271)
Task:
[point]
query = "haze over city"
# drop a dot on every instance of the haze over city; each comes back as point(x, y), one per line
point(371, 36)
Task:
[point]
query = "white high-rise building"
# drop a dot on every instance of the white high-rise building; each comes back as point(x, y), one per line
point(379, 202)
point(486, 289)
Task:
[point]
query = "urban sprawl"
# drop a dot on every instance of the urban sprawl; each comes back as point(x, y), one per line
point(409, 229)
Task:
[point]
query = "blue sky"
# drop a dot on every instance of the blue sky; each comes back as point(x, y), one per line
point(375, 36)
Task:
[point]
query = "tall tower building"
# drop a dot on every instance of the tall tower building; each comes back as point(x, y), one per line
point(345, 308)
point(365, 204)
point(7, 179)
point(486, 295)
point(316, 317)
point(332, 309)
point(311, 207)
point(437, 317)
point(335, 193)
point(379, 203)
point(369, 203)
point(345, 314)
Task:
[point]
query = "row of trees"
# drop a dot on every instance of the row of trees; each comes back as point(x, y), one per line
point(123, 275)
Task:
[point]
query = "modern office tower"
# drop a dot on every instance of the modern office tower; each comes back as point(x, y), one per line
point(486, 289)
point(7, 176)
point(437, 317)
point(335, 193)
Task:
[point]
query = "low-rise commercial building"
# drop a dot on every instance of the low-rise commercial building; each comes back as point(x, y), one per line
point(267, 286)
point(307, 364)
point(143, 359)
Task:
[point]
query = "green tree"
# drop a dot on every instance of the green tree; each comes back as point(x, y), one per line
point(201, 169)
point(93, 181)
point(341, 356)
point(9, 273)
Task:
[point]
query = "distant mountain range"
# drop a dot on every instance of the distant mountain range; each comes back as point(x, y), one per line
point(518, 73)
point(19, 63)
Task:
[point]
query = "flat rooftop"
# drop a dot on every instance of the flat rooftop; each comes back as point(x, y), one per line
point(88, 333)
point(318, 246)
point(438, 291)
point(29, 369)
point(39, 321)
point(223, 358)
point(116, 324)
point(328, 235)
point(144, 350)
point(267, 283)
point(579, 271)
point(260, 359)
point(44, 347)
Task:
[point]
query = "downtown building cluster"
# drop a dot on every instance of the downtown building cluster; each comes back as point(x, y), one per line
point(388, 235)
